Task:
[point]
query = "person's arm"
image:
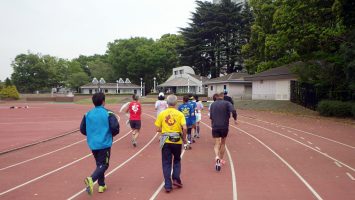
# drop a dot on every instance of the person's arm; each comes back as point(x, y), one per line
point(184, 130)
point(232, 110)
point(158, 124)
point(113, 124)
point(83, 126)
point(156, 105)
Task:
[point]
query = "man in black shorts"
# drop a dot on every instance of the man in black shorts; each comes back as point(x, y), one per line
point(219, 114)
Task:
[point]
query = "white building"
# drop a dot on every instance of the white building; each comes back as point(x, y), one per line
point(183, 80)
point(235, 1)
point(120, 87)
point(233, 83)
point(273, 84)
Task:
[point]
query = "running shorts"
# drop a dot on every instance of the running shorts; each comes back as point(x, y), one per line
point(135, 124)
point(220, 133)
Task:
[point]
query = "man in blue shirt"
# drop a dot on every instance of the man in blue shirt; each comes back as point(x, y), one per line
point(188, 112)
point(100, 126)
point(193, 104)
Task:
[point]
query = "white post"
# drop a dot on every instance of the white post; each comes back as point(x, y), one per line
point(117, 87)
point(154, 84)
point(141, 86)
point(188, 84)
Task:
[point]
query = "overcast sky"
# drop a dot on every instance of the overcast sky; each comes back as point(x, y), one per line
point(68, 28)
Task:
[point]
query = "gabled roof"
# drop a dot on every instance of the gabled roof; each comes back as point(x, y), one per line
point(283, 72)
point(229, 78)
point(198, 77)
point(178, 81)
point(110, 85)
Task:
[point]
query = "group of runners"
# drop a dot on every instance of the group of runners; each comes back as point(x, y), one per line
point(178, 126)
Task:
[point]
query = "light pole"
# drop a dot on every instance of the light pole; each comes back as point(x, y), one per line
point(117, 87)
point(188, 84)
point(95, 82)
point(141, 86)
point(154, 84)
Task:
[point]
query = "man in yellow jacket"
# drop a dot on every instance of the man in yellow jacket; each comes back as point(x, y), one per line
point(172, 125)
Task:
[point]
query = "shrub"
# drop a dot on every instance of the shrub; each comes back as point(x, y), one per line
point(335, 108)
point(10, 92)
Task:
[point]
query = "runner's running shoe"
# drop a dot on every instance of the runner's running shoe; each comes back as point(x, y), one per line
point(102, 188)
point(89, 185)
point(218, 165)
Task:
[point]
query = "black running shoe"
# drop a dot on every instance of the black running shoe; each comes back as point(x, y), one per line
point(218, 165)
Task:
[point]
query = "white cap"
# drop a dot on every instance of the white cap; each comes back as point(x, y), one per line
point(161, 94)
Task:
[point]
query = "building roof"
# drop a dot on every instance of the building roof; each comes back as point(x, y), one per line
point(178, 81)
point(283, 72)
point(229, 78)
point(110, 85)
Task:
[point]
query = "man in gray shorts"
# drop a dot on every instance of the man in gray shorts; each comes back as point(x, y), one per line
point(219, 114)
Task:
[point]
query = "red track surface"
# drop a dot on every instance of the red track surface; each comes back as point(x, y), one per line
point(270, 156)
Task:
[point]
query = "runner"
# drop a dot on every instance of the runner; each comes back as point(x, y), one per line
point(160, 104)
point(100, 126)
point(199, 108)
point(188, 111)
point(172, 125)
point(219, 115)
point(135, 111)
point(193, 104)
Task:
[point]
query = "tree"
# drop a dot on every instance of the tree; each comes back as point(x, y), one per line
point(8, 82)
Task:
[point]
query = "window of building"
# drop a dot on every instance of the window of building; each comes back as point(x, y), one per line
point(225, 87)
point(175, 72)
point(106, 90)
point(211, 87)
point(181, 71)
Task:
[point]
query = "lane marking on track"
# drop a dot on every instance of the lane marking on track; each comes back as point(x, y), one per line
point(53, 171)
point(309, 142)
point(155, 194)
point(318, 148)
point(285, 162)
point(40, 156)
point(351, 177)
point(119, 166)
point(324, 154)
point(234, 181)
point(302, 132)
point(337, 164)
point(302, 138)
point(38, 142)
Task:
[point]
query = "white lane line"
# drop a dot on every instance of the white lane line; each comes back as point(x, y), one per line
point(324, 154)
point(155, 194)
point(353, 147)
point(351, 177)
point(318, 148)
point(53, 171)
point(309, 142)
point(40, 156)
point(286, 163)
point(302, 138)
point(337, 164)
point(234, 181)
point(119, 166)
point(295, 134)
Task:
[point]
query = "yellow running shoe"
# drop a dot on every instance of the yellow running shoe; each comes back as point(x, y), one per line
point(102, 188)
point(89, 185)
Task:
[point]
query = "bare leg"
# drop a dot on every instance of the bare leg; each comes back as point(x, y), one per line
point(222, 147)
point(217, 147)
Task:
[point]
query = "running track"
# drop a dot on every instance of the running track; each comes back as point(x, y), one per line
point(269, 156)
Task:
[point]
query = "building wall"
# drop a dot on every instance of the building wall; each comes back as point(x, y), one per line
point(271, 90)
point(235, 90)
point(111, 91)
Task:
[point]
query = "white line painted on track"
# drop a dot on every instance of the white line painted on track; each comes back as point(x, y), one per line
point(309, 142)
point(40, 156)
point(295, 134)
point(324, 154)
point(318, 148)
point(155, 194)
point(351, 177)
point(285, 162)
point(234, 181)
point(119, 166)
point(302, 138)
point(337, 164)
point(353, 147)
point(53, 171)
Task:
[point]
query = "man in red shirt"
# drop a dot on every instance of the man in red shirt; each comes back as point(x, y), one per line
point(135, 111)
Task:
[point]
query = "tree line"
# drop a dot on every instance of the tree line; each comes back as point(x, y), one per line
point(252, 36)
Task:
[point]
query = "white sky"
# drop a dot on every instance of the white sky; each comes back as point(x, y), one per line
point(68, 28)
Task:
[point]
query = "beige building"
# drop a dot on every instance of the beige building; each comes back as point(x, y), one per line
point(234, 84)
point(120, 87)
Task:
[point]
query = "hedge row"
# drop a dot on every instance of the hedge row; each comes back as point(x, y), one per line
point(9, 92)
point(336, 108)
